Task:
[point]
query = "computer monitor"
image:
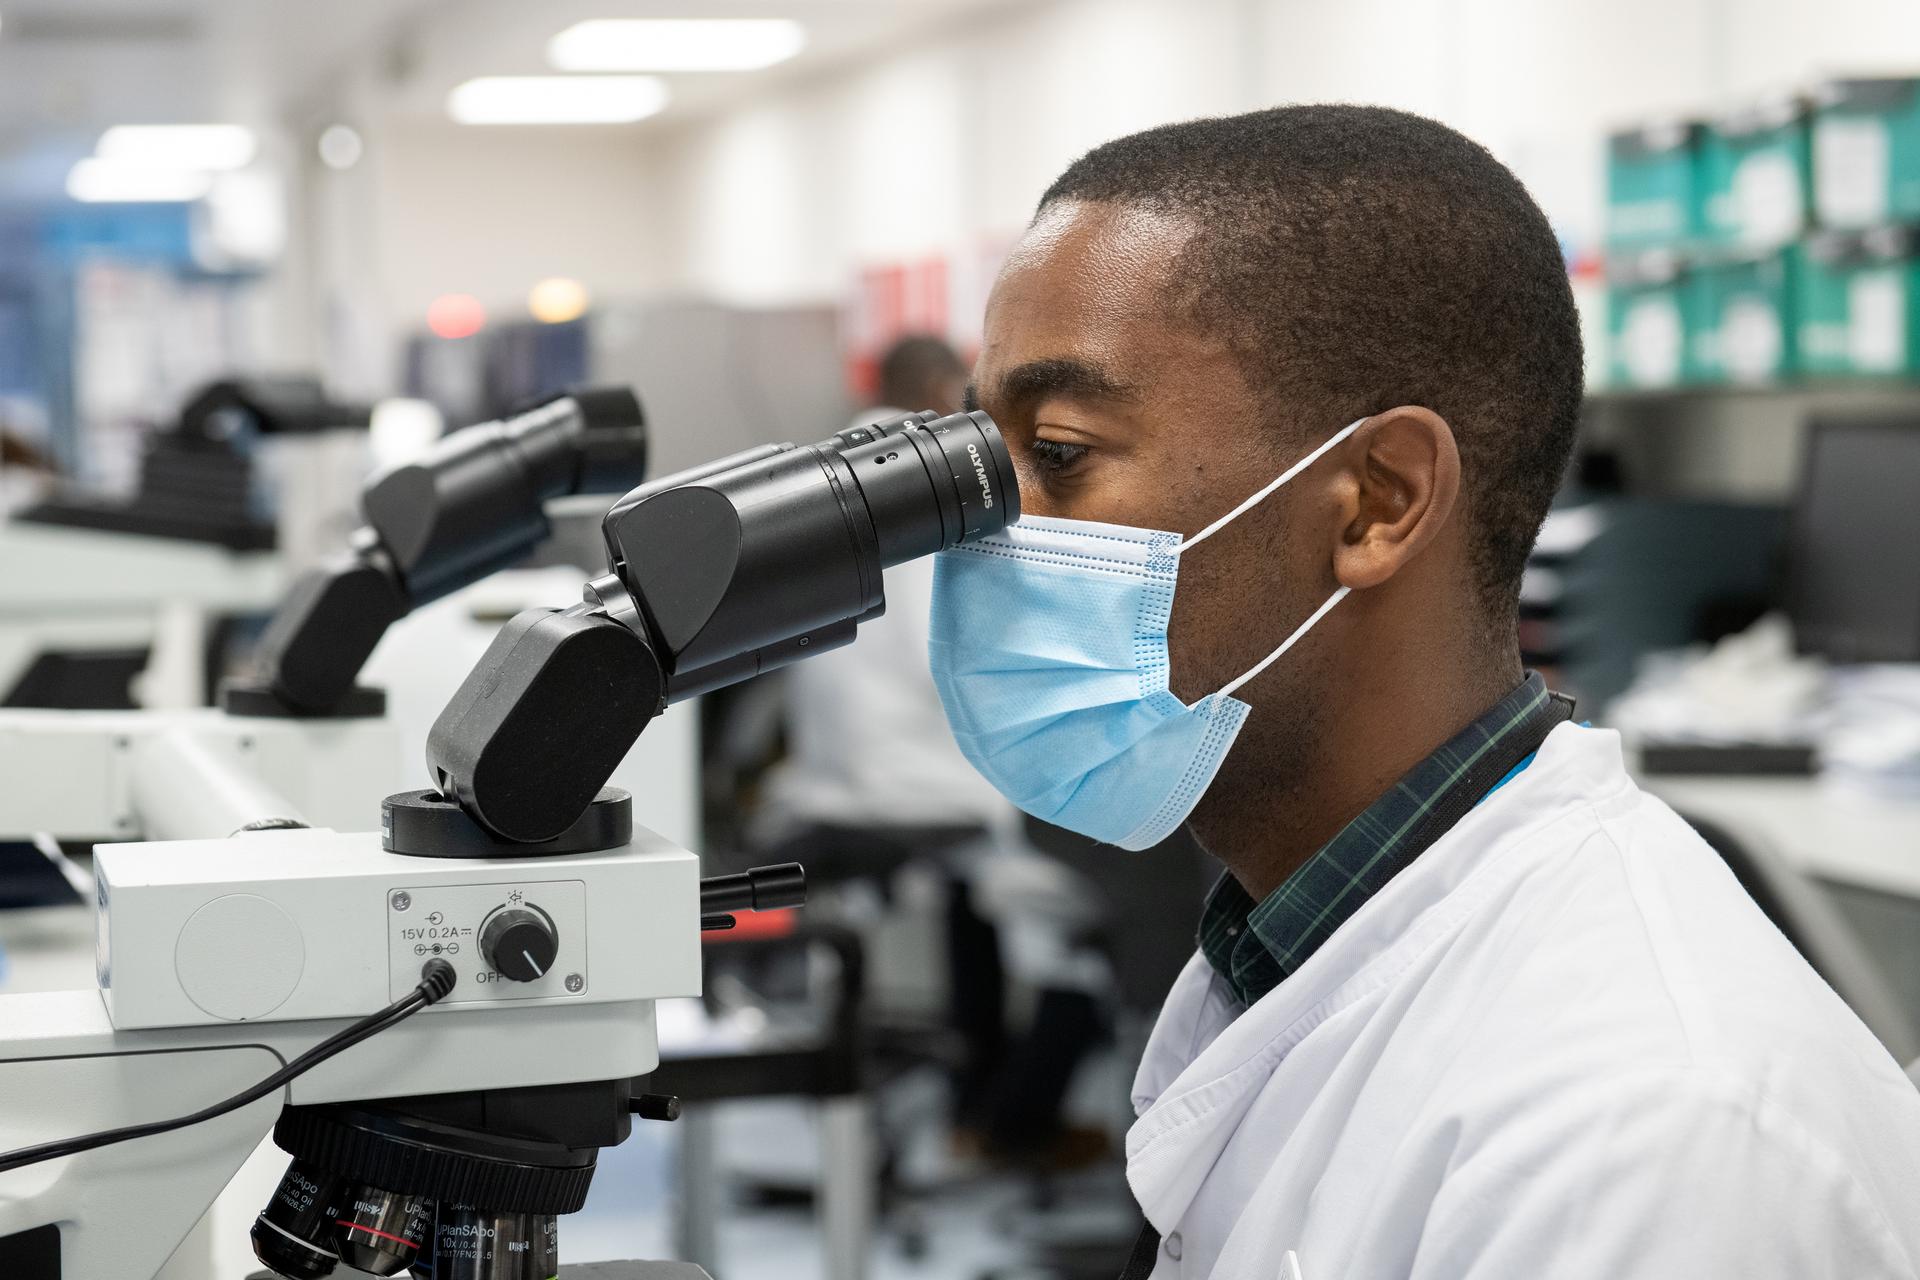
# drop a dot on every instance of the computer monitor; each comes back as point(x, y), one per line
point(1854, 571)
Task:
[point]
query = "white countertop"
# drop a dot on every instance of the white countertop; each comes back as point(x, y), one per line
point(1823, 831)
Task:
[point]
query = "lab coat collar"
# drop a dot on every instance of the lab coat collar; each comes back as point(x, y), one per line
point(1204, 1066)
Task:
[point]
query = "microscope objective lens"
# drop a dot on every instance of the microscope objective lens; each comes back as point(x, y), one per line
point(479, 1244)
point(382, 1231)
point(295, 1234)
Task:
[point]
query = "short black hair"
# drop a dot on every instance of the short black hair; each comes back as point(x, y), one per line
point(1356, 258)
point(910, 367)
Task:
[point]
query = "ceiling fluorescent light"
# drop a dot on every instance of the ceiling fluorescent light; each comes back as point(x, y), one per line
point(96, 180)
point(676, 44)
point(556, 99)
point(207, 147)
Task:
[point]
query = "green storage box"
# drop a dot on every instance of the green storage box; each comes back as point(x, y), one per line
point(1653, 198)
point(1859, 304)
point(1866, 152)
point(1747, 333)
point(1756, 176)
point(1655, 309)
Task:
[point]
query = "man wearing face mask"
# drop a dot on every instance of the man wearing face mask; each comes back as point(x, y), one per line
point(1290, 393)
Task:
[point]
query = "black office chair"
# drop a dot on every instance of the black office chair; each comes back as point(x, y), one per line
point(1083, 1226)
point(820, 1055)
point(1815, 927)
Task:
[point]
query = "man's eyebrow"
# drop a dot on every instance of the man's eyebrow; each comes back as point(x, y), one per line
point(1039, 380)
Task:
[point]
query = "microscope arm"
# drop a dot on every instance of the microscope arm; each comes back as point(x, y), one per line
point(473, 505)
point(96, 776)
point(289, 405)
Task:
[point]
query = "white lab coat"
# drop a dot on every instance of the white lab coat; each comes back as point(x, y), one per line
point(1563, 1043)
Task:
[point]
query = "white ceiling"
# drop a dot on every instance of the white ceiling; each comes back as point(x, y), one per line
point(509, 37)
point(69, 68)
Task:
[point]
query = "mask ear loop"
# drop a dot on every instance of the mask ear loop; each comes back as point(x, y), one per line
point(1267, 492)
point(1228, 690)
point(1288, 643)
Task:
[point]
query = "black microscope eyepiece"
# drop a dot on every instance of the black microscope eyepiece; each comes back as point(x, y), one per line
point(950, 481)
point(717, 574)
point(754, 561)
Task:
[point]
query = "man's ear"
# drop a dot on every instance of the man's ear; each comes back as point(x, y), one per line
point(1400, 486)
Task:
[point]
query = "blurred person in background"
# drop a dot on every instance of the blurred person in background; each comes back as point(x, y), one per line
point(872, 783)
point(872, 775)
point(25, 472)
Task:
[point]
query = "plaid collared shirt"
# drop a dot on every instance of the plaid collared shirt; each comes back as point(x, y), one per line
point(1254, 947)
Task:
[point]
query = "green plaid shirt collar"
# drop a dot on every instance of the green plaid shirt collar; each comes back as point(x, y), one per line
point(1254, 947)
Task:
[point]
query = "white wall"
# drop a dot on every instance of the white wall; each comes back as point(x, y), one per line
point(942, 147)
point(948, 144)
point(436, 208)
point(490, 212)
point(934, 149)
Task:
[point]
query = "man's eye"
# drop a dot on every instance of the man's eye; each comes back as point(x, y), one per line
point(1057, 456)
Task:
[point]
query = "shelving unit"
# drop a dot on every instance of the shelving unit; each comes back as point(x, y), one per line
point(1742, 443)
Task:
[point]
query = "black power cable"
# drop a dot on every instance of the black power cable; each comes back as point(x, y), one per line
point(437, 979)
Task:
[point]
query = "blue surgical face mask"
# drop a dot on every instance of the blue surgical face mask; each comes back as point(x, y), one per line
point(1049, 648)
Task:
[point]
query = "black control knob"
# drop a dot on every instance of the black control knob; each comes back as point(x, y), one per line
point(519, 943)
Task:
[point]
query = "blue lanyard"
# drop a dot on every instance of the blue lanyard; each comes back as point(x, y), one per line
point(1521, 768)
point(1511, 774)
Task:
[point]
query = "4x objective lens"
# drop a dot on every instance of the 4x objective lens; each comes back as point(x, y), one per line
point(383, 1231)
point(317, 1220)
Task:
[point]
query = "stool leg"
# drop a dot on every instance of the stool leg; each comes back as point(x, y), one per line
point(846, 1186)
point(697, 1210)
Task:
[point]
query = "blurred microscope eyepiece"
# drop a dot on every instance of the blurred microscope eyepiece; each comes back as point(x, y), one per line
point(474, 503)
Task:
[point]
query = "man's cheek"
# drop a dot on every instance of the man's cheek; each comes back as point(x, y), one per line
point(1119, 491)
point(1035, 500)
point(1194, 641)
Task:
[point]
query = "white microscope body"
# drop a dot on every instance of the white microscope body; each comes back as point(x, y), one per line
point(220, 960)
